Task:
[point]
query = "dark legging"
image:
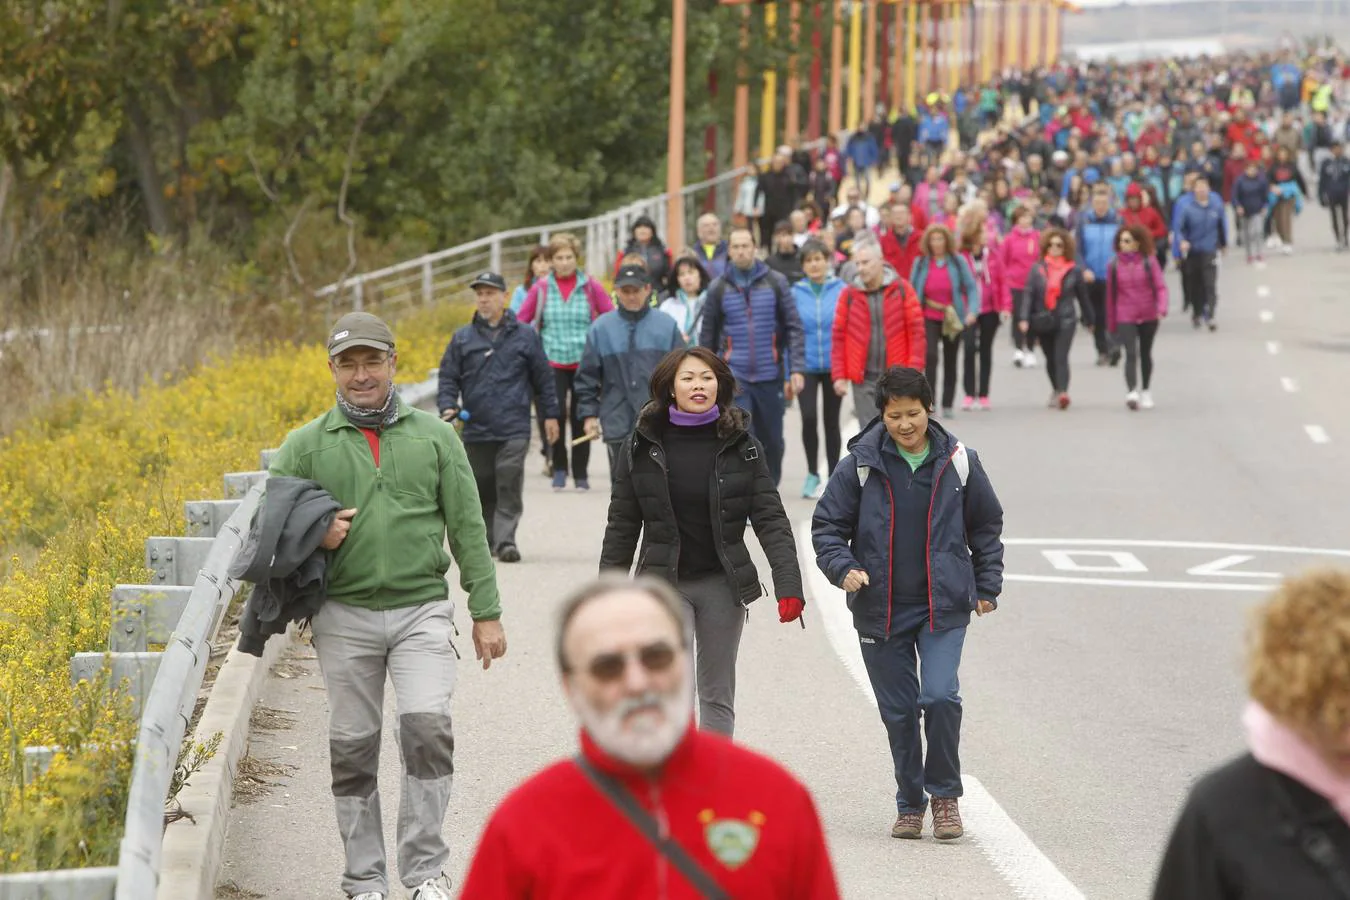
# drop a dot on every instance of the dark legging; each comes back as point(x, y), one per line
point(1021, 341)
point(950, 348)
point(1338, 221)
point(563, 381)
point(1138, 341)
point(1056, 345)
point(980, 342)
point(830, 403)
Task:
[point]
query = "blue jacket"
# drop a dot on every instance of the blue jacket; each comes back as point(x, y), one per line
point(853, 524)
point(965, 289)
point(754, 326)
point(1251, 193)
point(613, 380)
point(495, 383)
point(1203, 226)
point(862, 149)
point(1096, 239)
point(817, 314)
point(933, 128)
point(714, 265)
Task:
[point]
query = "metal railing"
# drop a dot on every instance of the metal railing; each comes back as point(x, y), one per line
point(445, 274)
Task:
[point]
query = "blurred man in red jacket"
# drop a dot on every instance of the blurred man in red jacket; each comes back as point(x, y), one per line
point(741, 825)
point(900, 242)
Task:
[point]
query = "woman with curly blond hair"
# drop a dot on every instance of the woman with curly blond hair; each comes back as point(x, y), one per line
point(1275, 823)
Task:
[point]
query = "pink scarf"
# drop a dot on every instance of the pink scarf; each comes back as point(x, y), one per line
point(1278, 747)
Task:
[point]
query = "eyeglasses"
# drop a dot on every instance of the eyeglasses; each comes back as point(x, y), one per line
point(1053, 244)
point(609, 667)
point(1126, 239)
point(373, 366)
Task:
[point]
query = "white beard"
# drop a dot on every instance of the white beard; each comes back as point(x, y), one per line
point(642, 739)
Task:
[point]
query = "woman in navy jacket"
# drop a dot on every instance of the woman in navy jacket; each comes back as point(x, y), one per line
point(910, 527)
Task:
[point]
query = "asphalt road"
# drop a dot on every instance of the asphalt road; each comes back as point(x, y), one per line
point(1109, 679)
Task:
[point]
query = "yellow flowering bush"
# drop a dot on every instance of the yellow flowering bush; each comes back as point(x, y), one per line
point(81, 489)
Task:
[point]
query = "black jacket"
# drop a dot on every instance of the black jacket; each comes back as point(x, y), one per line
point(743, 490)
point(1333, 181)
point(1238, 839)
point(283, 559)
point(1074, 287)
point(496, 382)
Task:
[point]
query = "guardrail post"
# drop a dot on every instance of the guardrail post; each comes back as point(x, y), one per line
point(358, 295)
point(237, 484)
point(427, 288)
point(137, 669)
point(63, 884)
point(145, 614)
point(495, 255)
point(265, 458)
point(204, 517)
point(176, 560)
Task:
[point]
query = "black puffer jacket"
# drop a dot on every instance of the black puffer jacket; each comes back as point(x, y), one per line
point(743, 488)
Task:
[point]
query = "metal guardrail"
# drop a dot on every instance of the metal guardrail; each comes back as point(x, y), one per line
point(444, 274)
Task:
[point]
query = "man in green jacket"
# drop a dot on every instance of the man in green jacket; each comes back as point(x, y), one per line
point(405, 485)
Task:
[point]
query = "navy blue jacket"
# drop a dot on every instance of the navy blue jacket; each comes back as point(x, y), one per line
point(1203, 226)
point(614, 379)
point(754, 328)
point(1251, 193)
point(853, 524)
point(496, 382)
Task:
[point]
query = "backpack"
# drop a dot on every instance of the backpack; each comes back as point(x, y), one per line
point(960, 462)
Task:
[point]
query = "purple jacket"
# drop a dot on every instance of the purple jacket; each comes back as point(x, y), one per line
point(1135, 290)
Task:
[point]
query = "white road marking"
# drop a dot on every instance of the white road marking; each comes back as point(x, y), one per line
point(1289, 384)
point(1224, 567)
point(1267, 316)
point(1121, 561)
point(1318, 434)
point(1175, 545)
point(1262, 291)
point(1027, 870)
point(1273, 347)
point(1125, 582)
point(1261, 264)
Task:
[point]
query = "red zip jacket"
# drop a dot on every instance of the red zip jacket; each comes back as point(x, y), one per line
point(1150, 219)
point(902, 315)
point(901, 253)
point(746, 821)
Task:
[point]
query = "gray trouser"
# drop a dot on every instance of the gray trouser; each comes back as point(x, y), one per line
point(357, 648)
point(865, 401)
point(718, 619)
point(499, 469)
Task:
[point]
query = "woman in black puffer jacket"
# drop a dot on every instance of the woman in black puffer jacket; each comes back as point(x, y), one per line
point(688, 479)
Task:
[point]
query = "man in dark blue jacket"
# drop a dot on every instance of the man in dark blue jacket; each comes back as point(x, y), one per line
point(490, 371)
point(1333, 189)
point(750, 319)
point(1202, 233)
point(910, 527)
point(1096, 240)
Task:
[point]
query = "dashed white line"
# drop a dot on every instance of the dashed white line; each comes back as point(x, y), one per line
point(1267, 316)
point(1262, 291)
point(1289, 384)
point(1027, 870)
point(1317, 434)
point(1273, 347)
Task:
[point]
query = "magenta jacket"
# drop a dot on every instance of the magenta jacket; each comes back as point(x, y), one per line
point(1021, 249)
point(532, 306)
point(1135, 290)
point(994, 293)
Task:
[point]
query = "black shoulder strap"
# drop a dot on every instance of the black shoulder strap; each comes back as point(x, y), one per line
point(625, 803)
point(1312, 840)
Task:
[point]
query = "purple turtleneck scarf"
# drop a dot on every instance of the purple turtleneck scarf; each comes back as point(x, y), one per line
point(680, 417)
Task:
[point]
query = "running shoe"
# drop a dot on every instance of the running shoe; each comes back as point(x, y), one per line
point(432, 889)
point(1054, 399)
point(968, 404)
point(1062, 401)
point(1019, 358)
point(583, 484)
point(1132, 399)
point(368, 895)
point(508, 553)
point(1146, 400)
point(984, 404)
point(946, 412)
point(560, 480)
point(1213, 326)
point(1029, 359)
point(811, 486)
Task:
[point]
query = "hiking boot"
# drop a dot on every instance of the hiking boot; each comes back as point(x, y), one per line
point(908, 826)
point(508, 553)
point(946, 819)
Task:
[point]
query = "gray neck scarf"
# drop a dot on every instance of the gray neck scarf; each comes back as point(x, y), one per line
point(385, 416)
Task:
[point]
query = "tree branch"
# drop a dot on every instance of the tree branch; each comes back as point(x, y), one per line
point(347, 165)
point(262, 182)
point(290, 234)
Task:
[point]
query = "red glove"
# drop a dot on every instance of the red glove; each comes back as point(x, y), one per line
point(790, 608)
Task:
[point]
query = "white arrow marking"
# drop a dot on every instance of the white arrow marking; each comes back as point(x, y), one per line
point(1262, 291)
point(1318, 434)
point(1289, 385)
point(1221, 567)
point(1272, 347)
point(1267, 316)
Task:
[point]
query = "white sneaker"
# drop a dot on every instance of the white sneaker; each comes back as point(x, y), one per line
point(1018, 360)
point(433, 889)
point(1029, 359)
point(369, 895)
point(1132, 399)
point(1272, 242)
point(1288, 249)
point(1146, 400)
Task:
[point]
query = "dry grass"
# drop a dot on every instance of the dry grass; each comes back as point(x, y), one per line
point(229, 890)
point(265, 718)
point(251, 780)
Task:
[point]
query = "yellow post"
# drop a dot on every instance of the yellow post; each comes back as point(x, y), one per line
point(855, 23)
point(1012, 44)
point(869, 90)
point(989, 22)
point(1035, 22)
point(918, 57)
point(956, 49)
point(768, 104)
point(898, 63)
point(836, 112)
point(792, 117)
point(1052, 34)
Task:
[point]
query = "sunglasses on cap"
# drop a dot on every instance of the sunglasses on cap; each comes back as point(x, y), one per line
point(655, 657)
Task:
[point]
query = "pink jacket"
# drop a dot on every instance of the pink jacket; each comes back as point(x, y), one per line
point(994, 293)
point(1135, 290)
point(928, 203)
point(1021, 249)
point(533, 304)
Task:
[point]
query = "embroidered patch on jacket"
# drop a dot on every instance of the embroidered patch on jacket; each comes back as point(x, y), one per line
point(732, 841)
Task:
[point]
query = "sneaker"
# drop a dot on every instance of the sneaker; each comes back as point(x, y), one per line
point(548, 468)
point(1195, 322)
point(1029, 360)
point(368, 895)
point(984, 404)
point(1146, 400)
point(559, 480)
point(1287, 249)
point(1113, 358)
point(908, 826)
point(1062, 401)
point(1260, 257)
point(811, 486)
point(946, 819)
point(1054, 399)
point(508, 553)
point(1213, 326)
point(1101, 359)
point(1019, 358)
point(583, 484)
point(968, 404)
point(1132, 399)
point(432, 889)
point(946, 412)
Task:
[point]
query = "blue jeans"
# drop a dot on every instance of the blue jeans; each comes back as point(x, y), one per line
point(763, 400)
point(896, 682)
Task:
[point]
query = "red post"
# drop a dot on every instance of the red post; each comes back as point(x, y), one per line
point(813, 98)
point(710, 148)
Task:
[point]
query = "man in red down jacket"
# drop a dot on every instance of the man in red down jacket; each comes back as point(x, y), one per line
point(749, 827)
point(878, 323)
point(900, 242)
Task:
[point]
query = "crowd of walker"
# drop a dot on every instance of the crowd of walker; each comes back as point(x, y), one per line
point(1068, 216)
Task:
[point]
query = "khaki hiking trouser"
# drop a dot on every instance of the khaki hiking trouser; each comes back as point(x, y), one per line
point(357, 649)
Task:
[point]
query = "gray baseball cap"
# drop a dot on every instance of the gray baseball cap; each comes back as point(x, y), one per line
point(360, 329)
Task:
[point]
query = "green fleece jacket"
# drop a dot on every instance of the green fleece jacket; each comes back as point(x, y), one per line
point(421, 492)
